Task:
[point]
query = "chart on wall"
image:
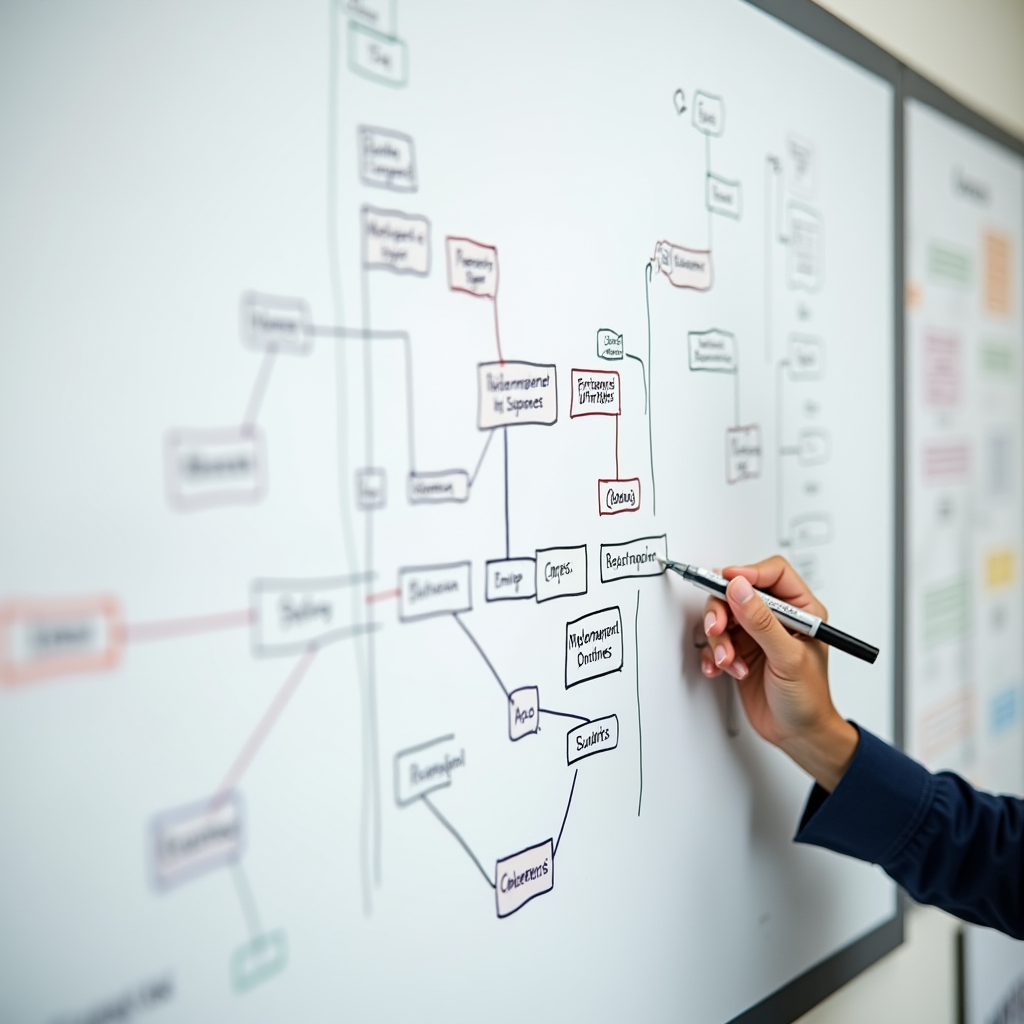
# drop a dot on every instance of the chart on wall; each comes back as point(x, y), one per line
point(965, 402)
point(364, 360)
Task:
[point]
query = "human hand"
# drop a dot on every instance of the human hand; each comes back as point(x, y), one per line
point(782, 678)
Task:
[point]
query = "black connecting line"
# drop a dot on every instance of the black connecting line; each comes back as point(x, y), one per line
point(566, 815)
point(504, 431)
point(648, 271)
point(480, 650)
point(563, 714)
point(643, 370)
point(462, 842)
point(639, 722)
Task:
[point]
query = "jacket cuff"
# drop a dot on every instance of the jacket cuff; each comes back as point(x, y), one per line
point(877, 807)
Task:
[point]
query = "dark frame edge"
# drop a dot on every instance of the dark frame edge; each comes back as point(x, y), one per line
point(819, 982)
point(826, 28)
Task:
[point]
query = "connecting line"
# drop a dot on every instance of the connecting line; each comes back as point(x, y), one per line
point(480, 461)
point(487, 660)
point(639, 721)
point(707, 165)
point(373, 754)
point(768, 177)
point(783, 363)
point(368, 396)
point(366, 335)
point(643, 370)
point(648, 270)
point(736, 396)
point(170, 629)
point(497, 329)
point(504, 430)
point(262, 730)
point(245, 898)
point(462, 842)
point(259, 389)
point(616, 418)
point(565, 816)
point(342, 404)
point(563, 714)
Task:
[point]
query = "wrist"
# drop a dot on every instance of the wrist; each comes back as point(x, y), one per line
point(825, 751)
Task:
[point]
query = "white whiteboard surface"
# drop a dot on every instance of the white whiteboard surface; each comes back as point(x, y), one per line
point(965, 424)
point(214, 559)
point(993, 976)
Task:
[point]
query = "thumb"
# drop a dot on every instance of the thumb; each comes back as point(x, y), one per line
point(782, 650)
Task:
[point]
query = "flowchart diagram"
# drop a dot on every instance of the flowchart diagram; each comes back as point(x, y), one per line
point(964, 399)
point(546, 414)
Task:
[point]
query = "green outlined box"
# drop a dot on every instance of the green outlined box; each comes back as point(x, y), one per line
point(946, 607)
point(948, 264)
point(259, 959)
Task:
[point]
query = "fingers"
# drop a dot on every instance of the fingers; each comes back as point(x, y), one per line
point(716, 617)
point(775, 574)
point(783, 651)
point(720, 656)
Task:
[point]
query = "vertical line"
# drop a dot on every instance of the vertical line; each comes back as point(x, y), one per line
point(497, 329)
point(369, 423)
point(780, 457)
point(767, 261)
point(639, 723)
point(707, 176)
point(504, 431)
point(342, 396)
point(410, 418)
point(736, 394)
point(650, 398)
point(616, 447)
point(368, 396)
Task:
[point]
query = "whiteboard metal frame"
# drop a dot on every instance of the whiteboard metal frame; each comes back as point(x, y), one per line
point(805, 991)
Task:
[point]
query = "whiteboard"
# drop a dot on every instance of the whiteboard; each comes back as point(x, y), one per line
point(965, 426)
point(360, 360)
point(965, 508)
point(992, 976)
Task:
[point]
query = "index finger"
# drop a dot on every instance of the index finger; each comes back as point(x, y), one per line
point(776, 575)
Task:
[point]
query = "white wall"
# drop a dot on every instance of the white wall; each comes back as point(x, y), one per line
point(973, 49)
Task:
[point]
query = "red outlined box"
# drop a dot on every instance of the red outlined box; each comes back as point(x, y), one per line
point(946, 462)
point(472, 266)
point(41, 639)
point(943, 369)
point(615, 496)
point(595, 393)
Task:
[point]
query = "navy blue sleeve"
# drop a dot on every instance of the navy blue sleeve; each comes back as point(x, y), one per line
point(945, 842)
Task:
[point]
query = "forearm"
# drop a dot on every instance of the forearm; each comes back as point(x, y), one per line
point(826, 751)
point(946, 843)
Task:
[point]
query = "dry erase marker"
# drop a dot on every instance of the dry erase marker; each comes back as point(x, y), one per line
point(792, 618)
